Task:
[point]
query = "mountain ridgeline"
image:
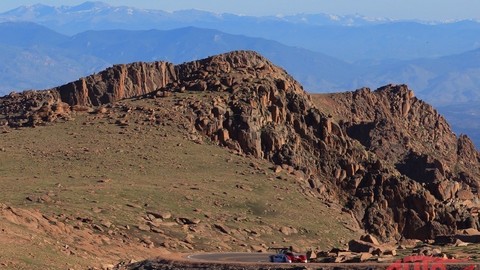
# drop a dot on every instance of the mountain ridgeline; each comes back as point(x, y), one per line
point(35, 57)
point(384, 155)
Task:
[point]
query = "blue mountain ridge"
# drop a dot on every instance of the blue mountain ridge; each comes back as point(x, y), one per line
point(442, 70)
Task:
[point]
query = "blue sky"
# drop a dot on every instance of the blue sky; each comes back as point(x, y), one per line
point(395, 9)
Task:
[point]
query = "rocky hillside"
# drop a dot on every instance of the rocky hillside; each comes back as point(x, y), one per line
point(435, 174)
point(386, 156)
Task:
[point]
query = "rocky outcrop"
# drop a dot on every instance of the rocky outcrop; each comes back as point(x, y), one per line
point(438, 183)
point(267, 114)
point(113, 84)
point(31, 107)
point(116, 83)
point(387, 157)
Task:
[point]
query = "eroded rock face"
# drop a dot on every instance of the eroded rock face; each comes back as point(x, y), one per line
point(116, 83)
point(268, 115)
point(439, 172)
point(386, 156)
point(113, 84)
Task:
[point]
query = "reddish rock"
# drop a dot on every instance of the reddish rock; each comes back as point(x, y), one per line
point(288, 230)
point(370, 239)
point(364, 257)
point(117, 82)
point(464, 194)
point(222, 228)
point(361, 246)
point(223, 135)
point(471, 231)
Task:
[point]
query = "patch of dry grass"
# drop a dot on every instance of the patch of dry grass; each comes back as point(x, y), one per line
point(92, 168)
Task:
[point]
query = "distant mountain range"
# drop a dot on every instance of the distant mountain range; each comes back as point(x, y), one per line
point(101, 16)
point(325, 53)
point(350, 38)
point(33, 57)
point(67, 58)
point(38, 50)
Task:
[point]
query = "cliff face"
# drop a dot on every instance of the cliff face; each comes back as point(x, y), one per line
point(440, 172)
point(113, 84)
point(116, 83)
point(408, 133)
point(385, 155)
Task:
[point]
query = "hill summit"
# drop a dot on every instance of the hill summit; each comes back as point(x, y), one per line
point(387, 157)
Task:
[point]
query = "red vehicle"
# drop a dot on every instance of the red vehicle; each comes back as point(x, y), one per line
point(285, 255)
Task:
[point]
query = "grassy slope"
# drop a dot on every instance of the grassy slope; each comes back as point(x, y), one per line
point(94, 169)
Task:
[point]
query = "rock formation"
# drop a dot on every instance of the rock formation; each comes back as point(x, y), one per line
point(440, 171)
point(116, 83)
point(386, 156)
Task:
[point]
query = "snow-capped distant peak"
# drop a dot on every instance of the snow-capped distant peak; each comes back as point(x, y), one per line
point(334, 17)
point(87, 6)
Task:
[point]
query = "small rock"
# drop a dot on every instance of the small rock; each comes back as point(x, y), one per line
point(244, 187)
point(409, 243)
point(155, 222)
point(222, 228)
point(105, 180)
point(392, 252)
point(311, 255)
point(108, 267)
point(188, 221)
point(144, 228)
point(436, 252)
point(364, 256)
point(169, 224)
point(157, 230)
point(160, 214)
point(102, 110)
point(98, 228)
point(370, 239)
point(386, 258)
point(32, 198)
point(345, 254)
point(256, 248)
point(45, 198)
point(148, 242)
point(361, 246)
point(288, 230)
point(106, 223)
point(132, 205)
point(378, 251)
point(471, 231)
point(460, 243)
point(240, 218)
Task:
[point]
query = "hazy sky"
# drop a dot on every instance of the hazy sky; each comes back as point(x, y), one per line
point(395, 9)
